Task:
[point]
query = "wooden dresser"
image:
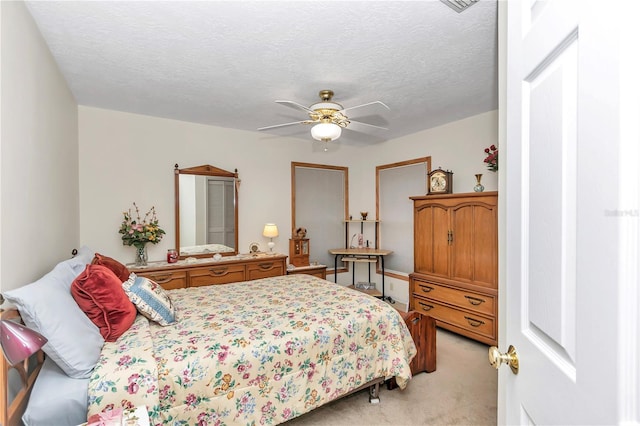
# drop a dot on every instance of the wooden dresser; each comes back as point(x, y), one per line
point(455, 278)
point(208, 271)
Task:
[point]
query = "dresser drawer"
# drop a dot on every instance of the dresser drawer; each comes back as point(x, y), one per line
point(481, 303)
point(168, 279)
point(220, 274)
point(268, 268)
point(458, 319)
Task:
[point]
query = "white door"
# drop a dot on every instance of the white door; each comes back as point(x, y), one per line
point(570, 191)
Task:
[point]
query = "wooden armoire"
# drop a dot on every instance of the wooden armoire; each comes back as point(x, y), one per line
point(455, 278)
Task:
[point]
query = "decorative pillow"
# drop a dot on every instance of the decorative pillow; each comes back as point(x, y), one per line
point(118, 268)
point(150, 298)
point(47, 307)
point(98, 292)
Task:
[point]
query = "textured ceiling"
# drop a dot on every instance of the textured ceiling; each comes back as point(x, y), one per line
point(224, 63)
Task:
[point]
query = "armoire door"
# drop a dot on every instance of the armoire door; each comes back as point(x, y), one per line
point(474, 244)
point(431, 239)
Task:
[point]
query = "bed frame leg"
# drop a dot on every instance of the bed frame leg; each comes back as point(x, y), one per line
point(374, 393)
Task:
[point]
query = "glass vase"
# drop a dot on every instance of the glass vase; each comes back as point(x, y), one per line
point(479, 187)
point(141, 255)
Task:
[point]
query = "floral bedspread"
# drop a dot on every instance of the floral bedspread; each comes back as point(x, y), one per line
point(256, 352)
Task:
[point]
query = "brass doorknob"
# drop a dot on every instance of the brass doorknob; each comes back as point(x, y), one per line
point(496, 359)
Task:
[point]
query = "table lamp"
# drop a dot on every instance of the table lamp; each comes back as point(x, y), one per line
point(270, 231)
point(19, 342)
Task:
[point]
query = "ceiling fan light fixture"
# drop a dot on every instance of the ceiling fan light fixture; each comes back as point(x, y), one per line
point(326, 131)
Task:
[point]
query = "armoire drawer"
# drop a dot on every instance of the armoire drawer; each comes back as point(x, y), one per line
point(222, 274)
point(481, 303)
point(265, 269)
point(458, 318)
point(168, 279)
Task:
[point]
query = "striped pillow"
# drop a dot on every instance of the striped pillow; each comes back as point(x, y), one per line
point(150, 299)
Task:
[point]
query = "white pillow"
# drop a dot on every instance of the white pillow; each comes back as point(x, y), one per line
point(56, 399)
point(46, 306)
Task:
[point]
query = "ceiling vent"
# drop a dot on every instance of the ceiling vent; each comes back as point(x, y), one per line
point(459, 5)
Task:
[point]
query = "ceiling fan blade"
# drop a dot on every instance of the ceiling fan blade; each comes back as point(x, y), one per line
point(295, 105)
point(284, 124)
point(364, 105)
point(353, 123)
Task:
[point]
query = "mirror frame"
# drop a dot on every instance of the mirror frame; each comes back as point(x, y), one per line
point(204, 170)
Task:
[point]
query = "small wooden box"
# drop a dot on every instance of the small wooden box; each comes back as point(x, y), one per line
point(299, 251)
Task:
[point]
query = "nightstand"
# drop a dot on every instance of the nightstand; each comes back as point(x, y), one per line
point(319, 271)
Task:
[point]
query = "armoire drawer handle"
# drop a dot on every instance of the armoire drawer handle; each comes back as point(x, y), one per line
point(266, 265)
point(161, 279)
point(426, 288)
point(474, 322)
point(219, 271)
point(474, 300)
point(425, 306)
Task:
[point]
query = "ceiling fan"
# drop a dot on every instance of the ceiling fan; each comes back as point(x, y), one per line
point(328, 117)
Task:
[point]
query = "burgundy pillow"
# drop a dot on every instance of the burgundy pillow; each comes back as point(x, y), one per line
point(100, 295)
point(118, 268)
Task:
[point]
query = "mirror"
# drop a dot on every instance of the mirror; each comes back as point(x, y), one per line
point(206, 211)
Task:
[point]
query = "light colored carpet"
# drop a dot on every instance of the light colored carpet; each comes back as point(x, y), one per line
point(462, 391)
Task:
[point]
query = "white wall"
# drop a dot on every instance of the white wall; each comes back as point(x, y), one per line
point(128, 157)
point(39, 215)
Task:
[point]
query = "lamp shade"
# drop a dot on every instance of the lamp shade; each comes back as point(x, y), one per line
point(326, 131)
point(19, 342)
point(270, 230)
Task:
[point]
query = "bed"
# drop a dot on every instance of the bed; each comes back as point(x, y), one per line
point(262, 351)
